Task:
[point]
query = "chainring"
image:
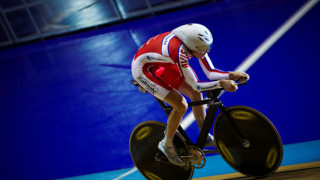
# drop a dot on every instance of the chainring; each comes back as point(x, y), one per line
point(197, 157)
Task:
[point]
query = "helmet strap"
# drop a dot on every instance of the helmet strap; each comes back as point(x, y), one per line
point(191, 52)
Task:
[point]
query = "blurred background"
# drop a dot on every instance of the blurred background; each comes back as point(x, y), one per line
point(26, 20)
point(67, 107)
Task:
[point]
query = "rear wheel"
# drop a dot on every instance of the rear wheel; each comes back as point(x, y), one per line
point(145, 154)
point(263, 152)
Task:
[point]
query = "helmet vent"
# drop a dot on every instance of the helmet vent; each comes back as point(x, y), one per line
point(201, 36)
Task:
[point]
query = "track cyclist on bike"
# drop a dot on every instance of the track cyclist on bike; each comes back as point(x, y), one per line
point(161, 66)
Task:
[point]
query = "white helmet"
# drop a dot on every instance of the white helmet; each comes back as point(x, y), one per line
point(195, 36)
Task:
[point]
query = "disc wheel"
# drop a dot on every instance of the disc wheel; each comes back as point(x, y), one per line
point(151, 163)
point(264, 150)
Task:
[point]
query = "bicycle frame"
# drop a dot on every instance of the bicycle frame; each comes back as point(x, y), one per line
point(214, 104)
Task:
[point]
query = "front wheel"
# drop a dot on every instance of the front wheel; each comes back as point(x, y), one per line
point(148, 159)
point(260, 153)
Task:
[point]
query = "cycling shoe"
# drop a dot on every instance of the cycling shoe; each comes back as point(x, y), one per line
point(171, 153)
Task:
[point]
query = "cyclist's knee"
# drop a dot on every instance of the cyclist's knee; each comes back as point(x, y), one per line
point(196, 95)
point(177, 101)
point(181, 106)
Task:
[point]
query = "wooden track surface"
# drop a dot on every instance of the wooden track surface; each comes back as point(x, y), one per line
point(307, 171)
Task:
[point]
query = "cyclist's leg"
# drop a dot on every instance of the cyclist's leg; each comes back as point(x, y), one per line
point(179, 105)
point(159, 88)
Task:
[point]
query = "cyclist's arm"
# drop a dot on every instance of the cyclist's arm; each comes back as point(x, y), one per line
point(190, 76)
point(211, 72)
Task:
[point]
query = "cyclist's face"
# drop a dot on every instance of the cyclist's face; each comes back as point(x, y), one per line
point(199, 54)
point(202, 50)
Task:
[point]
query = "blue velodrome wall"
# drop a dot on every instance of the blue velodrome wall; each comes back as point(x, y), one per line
point(67, 107)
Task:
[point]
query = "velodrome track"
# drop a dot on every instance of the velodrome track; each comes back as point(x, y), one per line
point(68, 107)
point(300, 161)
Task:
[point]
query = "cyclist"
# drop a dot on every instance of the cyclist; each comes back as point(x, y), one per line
point(161, 66)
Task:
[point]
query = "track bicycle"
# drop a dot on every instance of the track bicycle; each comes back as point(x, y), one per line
point(245, 138)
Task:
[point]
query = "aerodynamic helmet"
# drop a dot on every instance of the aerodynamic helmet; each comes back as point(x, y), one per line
point(195, 36)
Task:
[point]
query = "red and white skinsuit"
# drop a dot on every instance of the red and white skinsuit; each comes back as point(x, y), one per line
point(162, 63)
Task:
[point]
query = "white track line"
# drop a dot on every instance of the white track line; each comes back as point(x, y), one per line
point(253, 57)
point(126, 174)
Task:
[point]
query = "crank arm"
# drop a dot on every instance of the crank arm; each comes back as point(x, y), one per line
point(208, 151)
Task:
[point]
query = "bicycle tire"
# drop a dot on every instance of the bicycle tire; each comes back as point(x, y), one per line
point(263, 156)
point(144, 141)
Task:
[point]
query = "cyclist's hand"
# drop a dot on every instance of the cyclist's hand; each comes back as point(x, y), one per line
point(239, 76)
point(228, 85)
